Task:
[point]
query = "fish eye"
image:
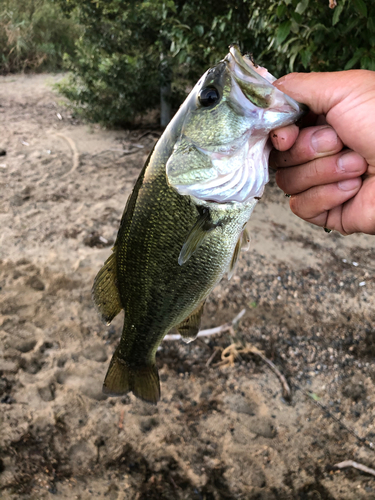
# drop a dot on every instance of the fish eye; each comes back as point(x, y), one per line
point(208, 96)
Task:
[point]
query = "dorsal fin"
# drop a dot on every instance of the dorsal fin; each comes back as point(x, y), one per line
point(196, 236)
point(189, 328)
point(105, 293)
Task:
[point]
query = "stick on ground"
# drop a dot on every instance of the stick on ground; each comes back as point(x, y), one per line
point(210, 331)
point(356, 465)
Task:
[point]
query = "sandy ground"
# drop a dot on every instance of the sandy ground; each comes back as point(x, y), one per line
point(219, 432)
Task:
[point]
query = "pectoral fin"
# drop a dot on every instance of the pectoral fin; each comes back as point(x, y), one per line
point(105, 293)
point(189, 328)
point(245, 245)
point(197, 236)
point(235, 256)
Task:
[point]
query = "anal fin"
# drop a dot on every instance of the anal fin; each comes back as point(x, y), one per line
point(196, 236)
point(189, 328)
point(105, 293)
point(142, 381)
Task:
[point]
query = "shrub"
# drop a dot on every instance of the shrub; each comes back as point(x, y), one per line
point(129, 50)
point(34, 35)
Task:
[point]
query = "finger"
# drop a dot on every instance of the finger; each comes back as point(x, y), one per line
point(283, 138)
point(312, 142)
point(314, 204)
point(326, 170)
point(320, 91)
point(358, 215)
point(342, 96)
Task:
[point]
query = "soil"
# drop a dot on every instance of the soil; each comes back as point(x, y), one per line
point(220, 431)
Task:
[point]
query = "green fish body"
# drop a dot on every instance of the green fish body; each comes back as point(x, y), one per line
point(184, 224)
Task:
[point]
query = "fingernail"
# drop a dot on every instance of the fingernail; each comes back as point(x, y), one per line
point(348, 162)
point(349, 184)
point(324, 140)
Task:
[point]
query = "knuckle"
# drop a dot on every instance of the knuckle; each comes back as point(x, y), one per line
point(295, 205)
point(280, 179)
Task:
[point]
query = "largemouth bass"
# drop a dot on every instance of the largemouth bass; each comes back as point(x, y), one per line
point(184, 224)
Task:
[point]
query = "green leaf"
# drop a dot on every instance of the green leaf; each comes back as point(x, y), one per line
point(283, 32)
point(295, 26)
point(305, 57)
point(199, 30)
point(371, 24)
point(281, 9)
point(297, 17)
point(353, 24)
point(302, 6)
point(314, 396)
point(360, 7)
point(336, 14)
point(365, 62)
point(291, 61)
point(357, 56)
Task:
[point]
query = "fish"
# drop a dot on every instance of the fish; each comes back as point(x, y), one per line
point(184, 223)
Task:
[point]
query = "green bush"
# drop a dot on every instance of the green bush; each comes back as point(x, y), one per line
point(34, 35)
point(128, 50)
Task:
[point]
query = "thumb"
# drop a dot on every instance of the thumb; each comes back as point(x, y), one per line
point(321, 91)
point(346, 98)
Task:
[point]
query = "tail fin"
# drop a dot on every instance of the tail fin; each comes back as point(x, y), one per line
point(142, 381)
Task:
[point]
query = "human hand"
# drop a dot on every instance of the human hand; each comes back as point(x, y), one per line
point(329, 168)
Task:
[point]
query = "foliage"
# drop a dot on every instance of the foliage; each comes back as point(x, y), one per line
point(128, 49)
point(34, 35)
point(312, 37)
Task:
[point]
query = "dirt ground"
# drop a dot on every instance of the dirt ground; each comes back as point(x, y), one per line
point(219, 432)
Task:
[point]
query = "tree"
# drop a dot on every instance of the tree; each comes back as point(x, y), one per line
point(129, 50)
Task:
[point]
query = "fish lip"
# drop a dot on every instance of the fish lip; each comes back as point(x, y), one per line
point(234, 51)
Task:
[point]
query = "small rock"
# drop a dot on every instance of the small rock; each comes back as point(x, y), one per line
point(47, 393)
point(36, 283)
point(25, 345)
point(94, 239)
point(8, 400)
point(355, 390)
point(2, 152)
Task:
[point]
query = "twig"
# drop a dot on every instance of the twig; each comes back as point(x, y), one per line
point(284, 384)
point(234, 351)
point(211, 331)
point(149, 132)
point(74, 152)
point(356, 465)
point(211, 358)
point(124, 152)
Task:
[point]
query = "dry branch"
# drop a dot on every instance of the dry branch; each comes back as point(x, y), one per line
point(356, 465)
point(210, 331)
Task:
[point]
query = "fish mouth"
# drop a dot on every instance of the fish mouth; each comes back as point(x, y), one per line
point(281, 109)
